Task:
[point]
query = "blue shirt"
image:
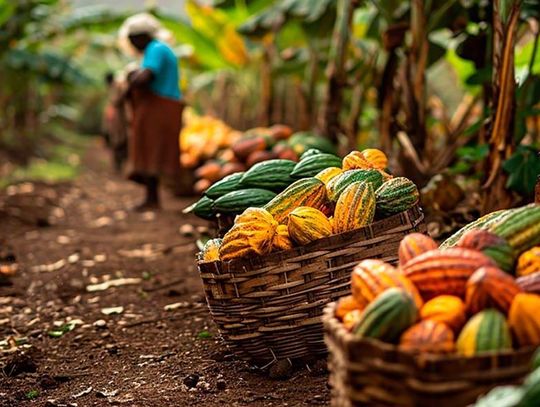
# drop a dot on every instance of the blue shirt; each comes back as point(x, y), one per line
point(160, 59)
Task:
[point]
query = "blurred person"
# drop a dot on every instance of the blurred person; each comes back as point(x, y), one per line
point(115, 121)
point(108, 111)
point(157, 107)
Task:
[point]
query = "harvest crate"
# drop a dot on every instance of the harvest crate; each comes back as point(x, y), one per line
point(368, 372)
point(269, 308)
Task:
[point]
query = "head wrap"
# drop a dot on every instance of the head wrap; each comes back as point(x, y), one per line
point(142, 23)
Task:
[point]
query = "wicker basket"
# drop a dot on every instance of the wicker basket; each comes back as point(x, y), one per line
point(367, 372)
point(221, 224)
point(269, 308)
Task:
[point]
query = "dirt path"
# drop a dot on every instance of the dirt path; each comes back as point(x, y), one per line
point(68, 239)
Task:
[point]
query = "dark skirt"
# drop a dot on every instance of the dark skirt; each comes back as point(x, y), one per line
point(154, 143)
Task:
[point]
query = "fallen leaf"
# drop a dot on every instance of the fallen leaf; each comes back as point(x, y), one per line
point(176, 305)
point(106, 393)
point(61, 330)
point(148, 216)
point(101, 222)
point(12, 342)
point(100, 258)
point(74, 258)
point(147, 251)
point(120, 215)
point(83, 392)
point(112, 283)
point(112, 310)
point(100, 323)
point(63, 239)
point(128, 398)
point(50, 267)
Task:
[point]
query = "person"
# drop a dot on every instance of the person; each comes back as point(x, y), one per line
point(108, 110)
point(156, 101)
point(115, 126)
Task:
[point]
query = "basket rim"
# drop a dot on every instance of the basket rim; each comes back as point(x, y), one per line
point(422, 360)
point(413, 215)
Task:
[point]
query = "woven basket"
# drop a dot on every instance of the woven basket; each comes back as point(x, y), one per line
point(221, 224)
point(269, 308)
point(368, 372)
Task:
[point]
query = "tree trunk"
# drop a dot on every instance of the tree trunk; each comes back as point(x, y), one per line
point(303, 118)
point(392, 39)
point(336, 69)
point(267, 94)
point(501, 123)
point(312, 75)
point(386, 102)
point(354, 116)
point(416, 76)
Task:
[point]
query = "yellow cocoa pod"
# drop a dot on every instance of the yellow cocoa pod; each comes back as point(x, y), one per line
point(355, 207)
point(328, 173)
point(307, 224)
point(355, 160)
point(253, 233)
point(528, 262)
point(376, 158)
point(282, 241)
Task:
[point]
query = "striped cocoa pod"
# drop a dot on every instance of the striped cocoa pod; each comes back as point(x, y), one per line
point(371, 277)
point(440, 272)
point(413, 245)
point(490, 287)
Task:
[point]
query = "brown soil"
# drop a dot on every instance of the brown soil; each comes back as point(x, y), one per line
point(65, 237)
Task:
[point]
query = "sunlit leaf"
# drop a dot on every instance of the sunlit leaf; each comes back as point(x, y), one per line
point(7, 9)
point(207, 20)
point(206, 51)
point(232, 46)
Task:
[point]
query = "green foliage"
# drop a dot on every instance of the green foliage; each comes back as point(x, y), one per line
point(61, 164)
point(61, 330)
point(48, 48)
point(32, 394)
point(308, 12)
point(204, 335)
point(93, 19)
point(260, 24)
point(530, 9)
point(523, 167)
point(206, 53)
point(468, 157)
point(47, 65)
